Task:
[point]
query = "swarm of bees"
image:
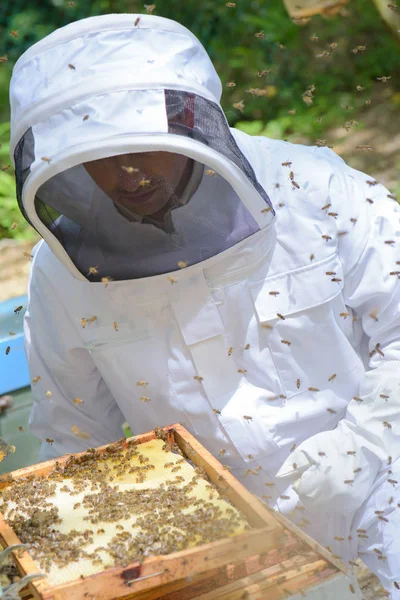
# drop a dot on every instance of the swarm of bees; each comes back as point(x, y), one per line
point(164, 517)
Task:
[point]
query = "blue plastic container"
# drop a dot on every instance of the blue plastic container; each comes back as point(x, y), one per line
point(14, 372)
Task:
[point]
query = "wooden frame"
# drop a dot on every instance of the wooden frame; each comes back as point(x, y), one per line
point(155, 577)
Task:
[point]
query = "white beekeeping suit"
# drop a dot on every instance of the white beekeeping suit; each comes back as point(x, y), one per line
point(263, 314)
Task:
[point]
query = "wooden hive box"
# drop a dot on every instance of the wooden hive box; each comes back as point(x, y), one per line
point(254, 553)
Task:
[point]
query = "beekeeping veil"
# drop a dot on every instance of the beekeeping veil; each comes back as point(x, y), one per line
point(118, 85)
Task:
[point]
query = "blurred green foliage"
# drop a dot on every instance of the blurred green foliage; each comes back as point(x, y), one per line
point(288, 51)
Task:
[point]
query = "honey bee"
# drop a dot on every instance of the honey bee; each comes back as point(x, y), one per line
point(145, 399)
point(312, 256)
point(48, 394)
point(216, 411)
point(77, 401)
point(262, 73)
point(373, 314)
point(3, 59)
point(313, 389)
point(332, 377)
point(106, 281)
point(387, 425)
point(247, 418)
point(129, 169)
point(230, 351)
point(182, 264)
point(393, 481)
point(198, 378)
point(390, 242)
point(396, 585)
point(260, 35)
point(239, 106)
point(358, 399)
point(382, 518)
point(391, 196)
point(280, 316)
point(91, 320)
point(283, 497)
point(85, 118)
point(349, 481)
point(222, 452)
point(326, 237)
point(330, 410)
point(136, 23)
point(21, 428)
point(83, 322)
point(389, 461)
point(72, 67)
point(266, 210)
point(80, 434)
point(384, 78)
point(8, 350)
point(336, 280)
point(18, 310)
point(93, 270)
point(286, 342)
point(36, 379)
point(266, 326)
point(286, 164)
point(27, 255)
point(149, 8)
point(357, 470)
point(14, 33)
point(344, 315)
point(115, 325)
point(351, 452)
point(11, 333)
point(326, 206)
point(242, 370)
point(247, 346)
point(171, 279)
point(50, 441)
point(321, 454)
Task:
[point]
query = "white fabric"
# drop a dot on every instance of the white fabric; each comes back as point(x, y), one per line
point(293, 319)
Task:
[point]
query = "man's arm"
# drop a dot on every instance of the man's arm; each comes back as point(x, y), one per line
point(68, 390)
point(336, 469)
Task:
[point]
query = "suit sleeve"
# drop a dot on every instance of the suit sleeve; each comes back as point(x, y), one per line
point(335, 470)
point(71, 403)
point(372, 291)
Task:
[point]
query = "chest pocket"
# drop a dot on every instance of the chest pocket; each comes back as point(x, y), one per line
point(308, 329)
point(131, 358)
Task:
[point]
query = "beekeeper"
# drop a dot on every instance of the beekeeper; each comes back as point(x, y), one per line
point(247, 288)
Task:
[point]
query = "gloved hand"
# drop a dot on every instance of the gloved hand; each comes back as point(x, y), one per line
point(332, 471)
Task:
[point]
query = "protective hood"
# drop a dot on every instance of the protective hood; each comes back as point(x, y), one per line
point(125, 90)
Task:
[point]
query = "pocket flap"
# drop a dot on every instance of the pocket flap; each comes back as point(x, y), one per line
point(297, 290)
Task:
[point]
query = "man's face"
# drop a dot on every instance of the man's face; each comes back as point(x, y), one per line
point(141, 182)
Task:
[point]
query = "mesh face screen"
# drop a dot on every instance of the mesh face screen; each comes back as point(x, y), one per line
point(170, 210)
